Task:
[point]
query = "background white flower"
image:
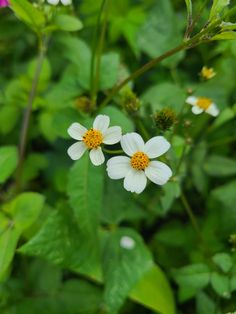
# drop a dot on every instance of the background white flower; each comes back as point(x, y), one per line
point(138, 167)
point(55, 2)
point(127, 243)
point(92, 139)
point(201, 104)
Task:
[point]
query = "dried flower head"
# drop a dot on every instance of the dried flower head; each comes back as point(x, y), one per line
point(165, 119)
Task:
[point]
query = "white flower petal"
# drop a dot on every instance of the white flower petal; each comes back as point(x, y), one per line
point(118, 167)
point(76, 131)
point(191, 100)
point(156, 146)
point(96, 156)
point(135, 181)
point(66, 2)
point(112, 135)
point(76, 150)
point(101, 123)
point(53, 2)
point(132, 143)
point(127, 243)
point(197, 110)
point(213, 110)
point(158, 172)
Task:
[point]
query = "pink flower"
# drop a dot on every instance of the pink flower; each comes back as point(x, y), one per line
point(4, 3)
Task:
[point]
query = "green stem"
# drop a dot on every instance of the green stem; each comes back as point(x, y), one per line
point(104, 7)
point(28, 111)
point(190, 213)
point(113, 152)
point(142, 129)
point(94, 51)
point(190, 43)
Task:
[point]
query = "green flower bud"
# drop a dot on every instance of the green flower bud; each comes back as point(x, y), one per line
point(129, 101)
point(165, 119)
point(83, 103)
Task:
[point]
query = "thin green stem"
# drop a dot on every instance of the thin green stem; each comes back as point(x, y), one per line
point(113, 152)
point(94, 51)
point(142, 129)
point(191, 216)
point(28, 111)
point(96, 79)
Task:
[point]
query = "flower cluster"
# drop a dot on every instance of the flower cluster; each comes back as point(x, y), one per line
point(56, 2)
point(136, 167)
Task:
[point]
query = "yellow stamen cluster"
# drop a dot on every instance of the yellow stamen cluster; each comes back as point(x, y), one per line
point(204, 103)
point(139, 161)
point(207, 73)
point(93, 138)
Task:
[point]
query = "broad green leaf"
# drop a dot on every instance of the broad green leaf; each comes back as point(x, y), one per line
point(154, 292)
point(61, 242)
point(191, 279)
point(165, 95)
point(73, 296)
point(161, 32)
point(118, 117)
point(8, 242)
point(123, 267)
point(10, 114)
point(205, 305)
point(218, 166)
point(233, 283)
point(85, 191)
point(226, 194)
point(225, 36)
point(26, 12)
point(221, 284)
point(224, 261)
point(25, 209)
point(226, 115)
point(109, 68)
point(8, 162)
point(67, 23)
point(217, 7)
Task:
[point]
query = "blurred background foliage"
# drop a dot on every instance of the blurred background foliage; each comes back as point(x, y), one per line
point(59, 237)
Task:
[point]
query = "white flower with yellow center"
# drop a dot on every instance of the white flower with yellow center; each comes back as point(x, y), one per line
point(55, 2)
point(136, 168)
point(93, 138)
point(201, 104)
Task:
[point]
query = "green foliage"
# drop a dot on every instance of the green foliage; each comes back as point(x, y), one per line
point(64, 224)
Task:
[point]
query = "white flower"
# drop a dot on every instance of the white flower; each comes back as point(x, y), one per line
point(201, 104)
point(93, 138)
point(127, 243)
point(138, 167)
point(55, 2)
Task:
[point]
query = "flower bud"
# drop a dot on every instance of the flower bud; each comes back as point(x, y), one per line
point(129, 100)
point(165, 119)
point(207, 73)
point(83, 103)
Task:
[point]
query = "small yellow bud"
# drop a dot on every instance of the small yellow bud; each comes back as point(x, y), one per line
point(207, 73)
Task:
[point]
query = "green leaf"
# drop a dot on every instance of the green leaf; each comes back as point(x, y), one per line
point(123, 267)
point(25, 209)
point(61, 242)
point(85, 191)
point(165, 95)
point(217, 7)
point(26, 12)
point(221, 285)
point(226, 115)
point(8, 162)
point(191, 279)
point(225, 36)
point(218, 166)
point(154, 292)
point(8, 242)
point(68, 23)
point(224, 261)
point(205, 305)
point(118, 117)
point(109, 70)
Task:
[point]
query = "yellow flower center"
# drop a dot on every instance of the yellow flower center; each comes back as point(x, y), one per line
point(204, 103)
point(139, 161)
point(93, 138)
